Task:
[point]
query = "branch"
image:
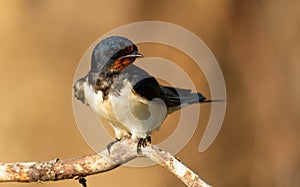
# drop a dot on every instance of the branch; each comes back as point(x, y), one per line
point(120, 153)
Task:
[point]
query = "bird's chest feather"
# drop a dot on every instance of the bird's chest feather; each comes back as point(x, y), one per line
point(135, 112)
point(126, 109)
point(97, 103)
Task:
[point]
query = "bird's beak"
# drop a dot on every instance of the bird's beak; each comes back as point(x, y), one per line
point(136, 55)
point(124, 61)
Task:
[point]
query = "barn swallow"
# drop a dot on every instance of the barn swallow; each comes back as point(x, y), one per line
point(126, 95)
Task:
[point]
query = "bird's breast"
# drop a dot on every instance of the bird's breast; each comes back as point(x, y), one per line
point(103, 107)
point(127, 110)
point(135, 112)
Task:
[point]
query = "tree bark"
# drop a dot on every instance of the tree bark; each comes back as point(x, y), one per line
point(120, 153)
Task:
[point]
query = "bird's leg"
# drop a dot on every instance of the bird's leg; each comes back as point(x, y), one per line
point(143, 143)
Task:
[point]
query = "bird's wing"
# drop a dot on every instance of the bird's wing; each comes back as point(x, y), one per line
point(174, 98)
point(78, 90)
point(148, 87)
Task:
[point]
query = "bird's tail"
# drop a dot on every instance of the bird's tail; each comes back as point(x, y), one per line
point(184, 98)
point(191, 98)
point(197, 98)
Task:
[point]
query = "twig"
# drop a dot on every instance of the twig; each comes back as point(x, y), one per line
point(120, 153)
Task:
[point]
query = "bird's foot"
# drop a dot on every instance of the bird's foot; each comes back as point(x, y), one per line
point(111, 144)
point(143, 143)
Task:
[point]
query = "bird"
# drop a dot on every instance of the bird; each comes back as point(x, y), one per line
point(133, 102)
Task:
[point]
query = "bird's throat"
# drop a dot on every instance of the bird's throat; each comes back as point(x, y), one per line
point(104, 82)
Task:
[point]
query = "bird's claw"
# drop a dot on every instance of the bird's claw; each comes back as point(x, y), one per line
point(111, 144)
point(143, 143)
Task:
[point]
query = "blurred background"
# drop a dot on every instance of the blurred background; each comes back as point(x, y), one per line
point(256, 44)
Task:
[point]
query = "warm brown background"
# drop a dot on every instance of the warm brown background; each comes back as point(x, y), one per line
point(256, 43)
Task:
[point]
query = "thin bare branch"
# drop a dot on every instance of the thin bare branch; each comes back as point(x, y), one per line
point(120, 153)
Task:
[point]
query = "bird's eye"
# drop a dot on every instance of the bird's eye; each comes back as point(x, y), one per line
point(130, 48)
point(111, 52)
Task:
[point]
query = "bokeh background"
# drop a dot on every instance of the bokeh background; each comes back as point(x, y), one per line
point(257, 45)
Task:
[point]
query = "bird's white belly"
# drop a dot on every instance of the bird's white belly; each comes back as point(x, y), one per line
point(128, 111)
point(96, 102)
point(137, 114)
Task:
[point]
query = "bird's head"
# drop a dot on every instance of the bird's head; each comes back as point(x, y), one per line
point(113, 54)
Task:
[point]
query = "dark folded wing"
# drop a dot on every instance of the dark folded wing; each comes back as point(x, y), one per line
point(174, 98)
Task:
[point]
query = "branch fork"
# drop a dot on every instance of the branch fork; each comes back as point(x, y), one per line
point(120, 153)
